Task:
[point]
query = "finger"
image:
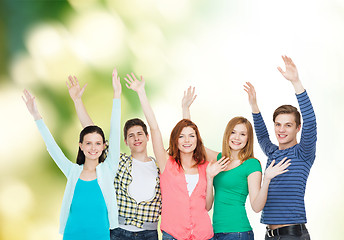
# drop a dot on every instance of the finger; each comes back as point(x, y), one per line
point(76, 81)
point(127, 85)
point(142, 79)
point(272, 163)
point(134, 77)
point(130, 78)
point(128, 81)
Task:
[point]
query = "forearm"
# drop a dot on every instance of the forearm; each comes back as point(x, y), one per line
point(147, 110)
point(298, 87)
point(81, 111)
point(54, 150)
point(254, 108)
point(259, 202)
point(114, 138)
point(186, 113)
point(210, 194)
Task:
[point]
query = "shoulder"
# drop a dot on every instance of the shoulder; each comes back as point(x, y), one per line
point(252, 164)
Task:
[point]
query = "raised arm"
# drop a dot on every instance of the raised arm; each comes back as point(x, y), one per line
point(252, 99)
point(258, 192)
point(291, 74)
point(159, 151)
point(259, 124)
point(54, 150)
point(75, 93)
point(114, 139)
point(188, 98)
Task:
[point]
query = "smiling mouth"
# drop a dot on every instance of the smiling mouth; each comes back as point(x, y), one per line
point(282, 135)
point(187, 145)
point(236, 143)
point(137, 144)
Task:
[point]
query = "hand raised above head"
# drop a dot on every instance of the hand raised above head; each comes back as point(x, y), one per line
point(75, 92)
point(290, 72)
point(134, 84)
point(189, 97)
point(31, 105)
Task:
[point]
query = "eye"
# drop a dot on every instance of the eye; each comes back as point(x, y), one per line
point(243, 134)
point(99, 143)
point(181, 136)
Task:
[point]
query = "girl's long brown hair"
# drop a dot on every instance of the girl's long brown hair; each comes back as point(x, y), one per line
point(199, 154)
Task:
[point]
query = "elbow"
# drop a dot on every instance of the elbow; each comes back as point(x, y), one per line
point(257, 209)
point(208, 208)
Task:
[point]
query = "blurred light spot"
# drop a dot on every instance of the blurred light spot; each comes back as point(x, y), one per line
point(98, 38)
point(43, 231)
point(174, 10)
point(15, 199)
point(51, 52)
point(79, 5)
point(22, 70)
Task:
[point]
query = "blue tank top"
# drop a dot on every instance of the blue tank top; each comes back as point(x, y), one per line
point(88, 217)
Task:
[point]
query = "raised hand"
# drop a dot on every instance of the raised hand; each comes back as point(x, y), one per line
point(116, 84)
point(31, 105)
point(189, 97)
point(134, 84)
point(74, 89)
point(290, 72)
point(215, 168)
point(273, 171)
point(252, 99)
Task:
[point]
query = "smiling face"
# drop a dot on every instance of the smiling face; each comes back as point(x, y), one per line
point(187, 141)
point(238, 137)
point(286, 130)
point(136, 139)
point(92, 146)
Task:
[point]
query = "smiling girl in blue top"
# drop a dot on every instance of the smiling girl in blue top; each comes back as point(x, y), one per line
point(89, 207)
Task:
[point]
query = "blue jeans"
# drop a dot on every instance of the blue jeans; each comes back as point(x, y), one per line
point(305, 236)
point(166, 236)
point(119, 234)
point(235, 236)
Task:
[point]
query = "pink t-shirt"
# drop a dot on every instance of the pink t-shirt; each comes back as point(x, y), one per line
point(182, 216)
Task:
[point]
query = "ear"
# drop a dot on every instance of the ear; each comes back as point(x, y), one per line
point(80, 145)
point(125, 141)
point(298, 128)
point(147, 137)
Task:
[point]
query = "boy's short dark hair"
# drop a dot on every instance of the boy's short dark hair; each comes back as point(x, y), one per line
point(288, 109)
point(134, 122)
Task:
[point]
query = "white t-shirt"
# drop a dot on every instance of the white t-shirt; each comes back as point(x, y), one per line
point(191, 182)
point(142, 187)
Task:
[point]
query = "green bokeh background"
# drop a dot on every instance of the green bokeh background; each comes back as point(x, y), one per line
point(213, 45)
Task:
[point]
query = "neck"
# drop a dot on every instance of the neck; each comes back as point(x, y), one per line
point(187, 159)
point(234, 155)
point(142, 156)
point(91, 164)
point(283, 146)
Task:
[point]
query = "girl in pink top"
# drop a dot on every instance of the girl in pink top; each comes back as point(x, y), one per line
point(183, 179)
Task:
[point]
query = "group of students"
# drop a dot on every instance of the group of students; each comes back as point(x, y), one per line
point(112, 195)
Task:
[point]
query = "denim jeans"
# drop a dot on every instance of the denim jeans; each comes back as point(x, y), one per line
point(305, 236)
point(235, 236)
point(119, 234)
point(166, 236)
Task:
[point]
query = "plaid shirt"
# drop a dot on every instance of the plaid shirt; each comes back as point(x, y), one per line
point(135, 214)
